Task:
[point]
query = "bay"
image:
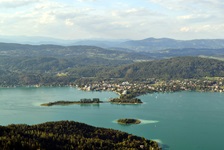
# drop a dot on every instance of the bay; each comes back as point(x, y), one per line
point(178, 121)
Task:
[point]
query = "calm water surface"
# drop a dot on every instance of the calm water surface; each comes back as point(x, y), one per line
point(179, 121)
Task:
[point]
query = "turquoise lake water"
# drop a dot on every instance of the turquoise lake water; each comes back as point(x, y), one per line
point(178, 121)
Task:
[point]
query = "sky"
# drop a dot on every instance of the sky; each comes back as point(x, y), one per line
point(113, 19)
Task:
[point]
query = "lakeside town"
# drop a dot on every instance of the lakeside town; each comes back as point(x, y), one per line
point(127, 89)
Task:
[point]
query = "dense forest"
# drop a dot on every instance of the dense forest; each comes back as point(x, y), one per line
point(56, 65)
point(173, 68)
point(62, 65)
point(69, 135)
point(55, 71)
point(21, 50)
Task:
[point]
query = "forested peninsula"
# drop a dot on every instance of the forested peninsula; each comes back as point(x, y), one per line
point(69, 135)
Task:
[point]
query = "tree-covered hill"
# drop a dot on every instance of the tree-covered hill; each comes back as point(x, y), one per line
point(57, 71)
point(54, 64)
point(60, 65)
point(51, 59)
point(174, 68)
point(69, 135)
point(22, 64)
point(22, 50)
point(190, 52)
point(145, 49)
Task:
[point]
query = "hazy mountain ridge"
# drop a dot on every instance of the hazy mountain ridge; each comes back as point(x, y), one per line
point(152, 44)
point(148, 44)
point(38, 40)
point(13, 49)
point(147, 49)
point(189, 52)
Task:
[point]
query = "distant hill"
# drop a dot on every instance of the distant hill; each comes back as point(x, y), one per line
point(99, 43)
point(147, 48)
point(69, 135)
point(153, 44)
point(148, 44)
point(23, 64)
point(174, 68)
point(61, 71)
point(38, 40)
point(35, 40)
point(13, 49)
point(54, 58)
point(219, 53)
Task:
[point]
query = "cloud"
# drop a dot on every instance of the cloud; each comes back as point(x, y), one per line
point(203, 28)
point(16, 3)
point(192, 18)
point(190, 7)
point(184, 29)
point(46, 18)
point(104, 19)
point(134, 12)
point(69, 22)
point(87, 0)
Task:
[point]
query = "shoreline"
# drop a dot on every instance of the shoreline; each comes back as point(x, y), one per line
point(140, 94)
point(65, 103)
point(125, 103)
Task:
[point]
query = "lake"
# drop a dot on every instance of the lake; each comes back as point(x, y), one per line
point(178, 121)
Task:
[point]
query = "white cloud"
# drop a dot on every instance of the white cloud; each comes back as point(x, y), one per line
point(203, 28)
point(16, 3)
point(196, 17)
point(47, 18)
point(184, 29)
point(69, 22)
point(131, 19)
point(87, 0)
point(185, 17)
point(191, 9)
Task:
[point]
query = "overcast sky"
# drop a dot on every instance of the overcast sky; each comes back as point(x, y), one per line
point(113, 19)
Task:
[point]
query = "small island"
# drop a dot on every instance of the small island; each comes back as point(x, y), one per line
point(128, 121)
point(82, 101)
point(125, 101)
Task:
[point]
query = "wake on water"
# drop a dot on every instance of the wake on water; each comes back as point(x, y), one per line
point(148, 121)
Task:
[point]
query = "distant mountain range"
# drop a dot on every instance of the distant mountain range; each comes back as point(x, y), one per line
point(12, 49)
point(146, 49)
point(49, 64)
point(152, 44)
point(144, 45)
point(38, 40)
